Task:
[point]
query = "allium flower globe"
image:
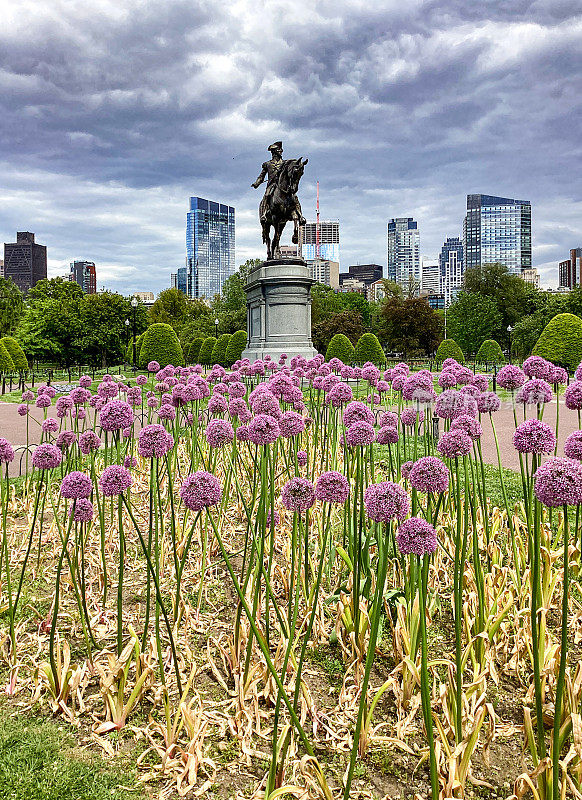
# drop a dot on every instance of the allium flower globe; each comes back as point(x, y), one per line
point(154, 441)
point(386, 501)
point(573, 396)
point(510, 377)
point(558, 482)
point(82, 510)
point(22, 410)
point(360, 434)
point(302, 458)
point(291, 424)
point(387, 435)
point(416, 536)
point(263, 429)
point(332, 487)
point(537, 367)
point(534, 436)
point(6, 451)
point(114, 480)
point(200, 490)
point(76, 485)
point(46, 456)
point(116, 415)
point(469, 425)
point(488, 403)
point(536, 391)
point(429, 474)
point(66, 439)
point(298, 494)
point(454, 444)
point(89, 441)
point(405, 468)
point(573, 446)
point(357, 412)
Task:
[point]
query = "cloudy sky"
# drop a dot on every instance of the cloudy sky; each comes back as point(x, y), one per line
point(113, 112)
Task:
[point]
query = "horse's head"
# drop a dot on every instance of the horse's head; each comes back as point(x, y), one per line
point(294, 169)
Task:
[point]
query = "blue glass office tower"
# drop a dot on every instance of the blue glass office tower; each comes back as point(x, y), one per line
point(497, 230)
point(210, 257)
point(451, 269)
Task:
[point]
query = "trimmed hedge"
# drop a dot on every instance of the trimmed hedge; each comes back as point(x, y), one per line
point(490, 353)
point(219, 349)
point(237, 344)
point(16, 353)
point(340, 347)
point(6, 363)
point(561, 341)
point(129, 351)
point(448, 348)
point(161, 344)
point(205, 354)
point(192, 350)
point(368, 348)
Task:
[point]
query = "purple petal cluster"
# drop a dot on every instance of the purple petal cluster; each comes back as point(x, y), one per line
point(510, 377)
point(219, 432)
point(332, 487)
point(534, 392)
point(534, 436)
point(454, 444)
point(291, 424)
point(416, 536)
point(154, 441)
point(89, 441)
point(359, 434)
point(263, 429)
point(200, 490)
point(386, 501)
point(82, 510)
point(76, 485)
point(558, 482)
point(298, 494)
point(468, 425)
point(387, 435)
point(488, 403)
point(573, 396)
point(573, 446)
point(6, 451)
point(114, 480)
point(429, 474)
point(116, 415)
point(46, 456)
point(357, 412)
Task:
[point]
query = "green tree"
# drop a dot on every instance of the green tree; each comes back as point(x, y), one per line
point(369, 348)
point(6, 363)
point(55, 289)
point(448, 348)
point(104, 332)
point(237, 344)
point(16, 353)
point(325, 302)
point(490, 353)
point(11, 306)
point(170, 308)
point(219, 350)
point(347, 322)
point(561, 341)
point(340, 347)
point(192, 350)
point(51, 330)
point(205, 354)
point(472, 319)
point(230, 306)
point(408, 325)
point(161, 344)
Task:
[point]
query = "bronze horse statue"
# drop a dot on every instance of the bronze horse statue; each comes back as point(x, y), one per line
point(280, 204)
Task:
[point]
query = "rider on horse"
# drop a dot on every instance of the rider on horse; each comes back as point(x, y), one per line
point(271, 170)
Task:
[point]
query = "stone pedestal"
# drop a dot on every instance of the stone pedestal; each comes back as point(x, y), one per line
point(279, 310)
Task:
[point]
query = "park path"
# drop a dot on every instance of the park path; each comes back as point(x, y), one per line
point(13, 428)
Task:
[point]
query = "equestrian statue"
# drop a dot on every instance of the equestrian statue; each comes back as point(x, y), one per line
point(280, 204)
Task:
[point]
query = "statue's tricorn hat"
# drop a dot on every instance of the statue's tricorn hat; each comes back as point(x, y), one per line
point(275, 146)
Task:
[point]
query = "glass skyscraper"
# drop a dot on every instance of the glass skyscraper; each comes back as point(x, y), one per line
point(210, 256)
point(497, 230)
point(329, 241)
point(451, 268)
point(404, 253)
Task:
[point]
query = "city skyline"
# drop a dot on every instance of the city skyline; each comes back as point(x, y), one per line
point(423, 105)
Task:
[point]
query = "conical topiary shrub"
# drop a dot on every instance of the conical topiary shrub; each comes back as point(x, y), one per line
point(490, 353)
point(129, 351)
point(340, 347)
point(6, 363)
point(205, 354)
point(561, 341)
point(161, 344)
point(448, 348)
point(219, 349)
point(369, 348)
point(192, 350)
point(235, 348)
point(16, 353)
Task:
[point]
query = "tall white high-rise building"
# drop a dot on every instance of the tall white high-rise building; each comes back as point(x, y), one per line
point(452, 269)
point(403, 265)
point(320, 240)
point(430, 279)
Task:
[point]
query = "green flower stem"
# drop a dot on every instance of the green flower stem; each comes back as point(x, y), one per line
point(425, 687)
point(562, 668)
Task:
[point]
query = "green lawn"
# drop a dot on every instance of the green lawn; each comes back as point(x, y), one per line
point(38, 761)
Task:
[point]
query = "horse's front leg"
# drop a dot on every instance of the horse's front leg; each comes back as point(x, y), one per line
point(276, 239)
point(267, 241)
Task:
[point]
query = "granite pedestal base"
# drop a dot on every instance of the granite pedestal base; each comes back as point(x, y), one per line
point(279, 310)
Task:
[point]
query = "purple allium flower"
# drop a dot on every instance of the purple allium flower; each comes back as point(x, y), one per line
point(471, 390)
point(302, 457)
point(357, 412)
point(387, 435)
point(64, 403)
point(533, 436)
point(242, 433)
point(46, 456)
point(265, 403)
point(410, 415)
point(429, 474)
point(200, 490)
point(6, 451)
point(388, 418)
point(27, 396)
point(371, 374)
point(405, 469)
point(79, 396)
point(386, 501)
point(43, 401)
point(447, 379)
point(276, 518)
point(153, 366)
point(263, 429)
point(510, 377)
point(82, 510)
point(116, 415)
point(558, 482)
point(237, 389)
point(534, 392)
point(219, 432)
point(141, 380)
point(481, 381)
point(107, 389)
point(238, 409)
point(49, 425)
point(416, 536)
point(573, 396)
point(152, 402)
point(454, 444)
point(469, 425)
point(167, 412)
point(85, 381)
point(97, 402)
point(488, 403)
point(115, 480)
point(22, 410)
point(332, 487)
point(291, 424)
point(573, 446)
point(558, 376)
point(75, 485)
point(298, 494)
point(451, 404)
point(449, 363)
point(66, 439)
point(340, 394)
point(50, 391)
point(360, 433)
point(537, 367)
point(129, 462)
point(577, 374)
point(154, 441)
point(89, 441)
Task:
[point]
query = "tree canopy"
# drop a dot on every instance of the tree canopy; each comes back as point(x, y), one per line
point(472, 319)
